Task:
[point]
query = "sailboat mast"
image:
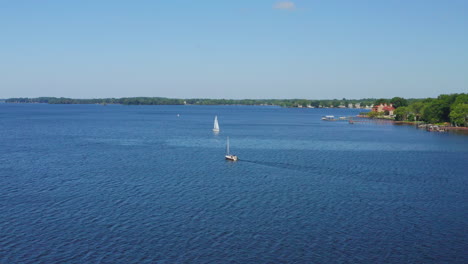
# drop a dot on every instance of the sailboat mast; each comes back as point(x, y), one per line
point(227, 146)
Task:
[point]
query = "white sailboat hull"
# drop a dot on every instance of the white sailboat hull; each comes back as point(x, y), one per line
point(231, 157)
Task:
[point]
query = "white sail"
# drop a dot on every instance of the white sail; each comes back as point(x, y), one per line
point(216, 125)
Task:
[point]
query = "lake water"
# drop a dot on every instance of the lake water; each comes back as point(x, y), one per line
point(139, 184)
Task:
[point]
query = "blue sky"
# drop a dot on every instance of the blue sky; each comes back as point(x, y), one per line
point(233, 49)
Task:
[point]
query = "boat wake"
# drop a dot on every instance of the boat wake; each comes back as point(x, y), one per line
point(281, 165)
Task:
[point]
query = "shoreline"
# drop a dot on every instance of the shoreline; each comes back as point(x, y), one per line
point(445, 127)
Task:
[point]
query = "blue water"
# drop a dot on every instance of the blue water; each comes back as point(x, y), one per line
point(137, 184)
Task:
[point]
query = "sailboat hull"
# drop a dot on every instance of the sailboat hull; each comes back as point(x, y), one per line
point(231, 157)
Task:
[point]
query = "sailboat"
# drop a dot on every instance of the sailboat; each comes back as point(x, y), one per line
point(216, 125)
point(229, 156)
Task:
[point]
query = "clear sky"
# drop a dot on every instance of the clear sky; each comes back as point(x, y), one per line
point(233, 48)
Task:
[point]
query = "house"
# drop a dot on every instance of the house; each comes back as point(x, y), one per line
point(383, 108)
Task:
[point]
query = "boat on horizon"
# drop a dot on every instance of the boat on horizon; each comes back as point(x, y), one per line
point(328, 118)
point(216, 125)
point(229, 156)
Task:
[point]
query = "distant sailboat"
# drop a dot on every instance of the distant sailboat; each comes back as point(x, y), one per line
point(216, 125)
point(229, 156)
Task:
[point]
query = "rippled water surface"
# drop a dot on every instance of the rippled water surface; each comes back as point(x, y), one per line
point(139, 184)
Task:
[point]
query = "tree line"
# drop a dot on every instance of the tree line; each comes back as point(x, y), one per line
point(197, 101)
point(124, 100)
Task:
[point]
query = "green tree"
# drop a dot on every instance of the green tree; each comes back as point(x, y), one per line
point(459, 115)
point(447, 98)
point(401, 113)
point(374, 114)
point(461, 99)
point(315, 103)
point(416, 108)
point(302, 103)
point(436, 111)
point(399, 102)
point(335, 103)
point(345, 102)
point(380, 101)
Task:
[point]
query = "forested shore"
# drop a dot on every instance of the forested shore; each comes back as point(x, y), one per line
point(448, 108)
point(319, 103)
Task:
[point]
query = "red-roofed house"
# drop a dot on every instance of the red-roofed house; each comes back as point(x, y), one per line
point(384, 108)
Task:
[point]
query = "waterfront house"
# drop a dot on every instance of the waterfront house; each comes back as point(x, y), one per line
point(387, 109)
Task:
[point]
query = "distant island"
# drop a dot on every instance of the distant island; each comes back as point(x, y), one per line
point(446, 108)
